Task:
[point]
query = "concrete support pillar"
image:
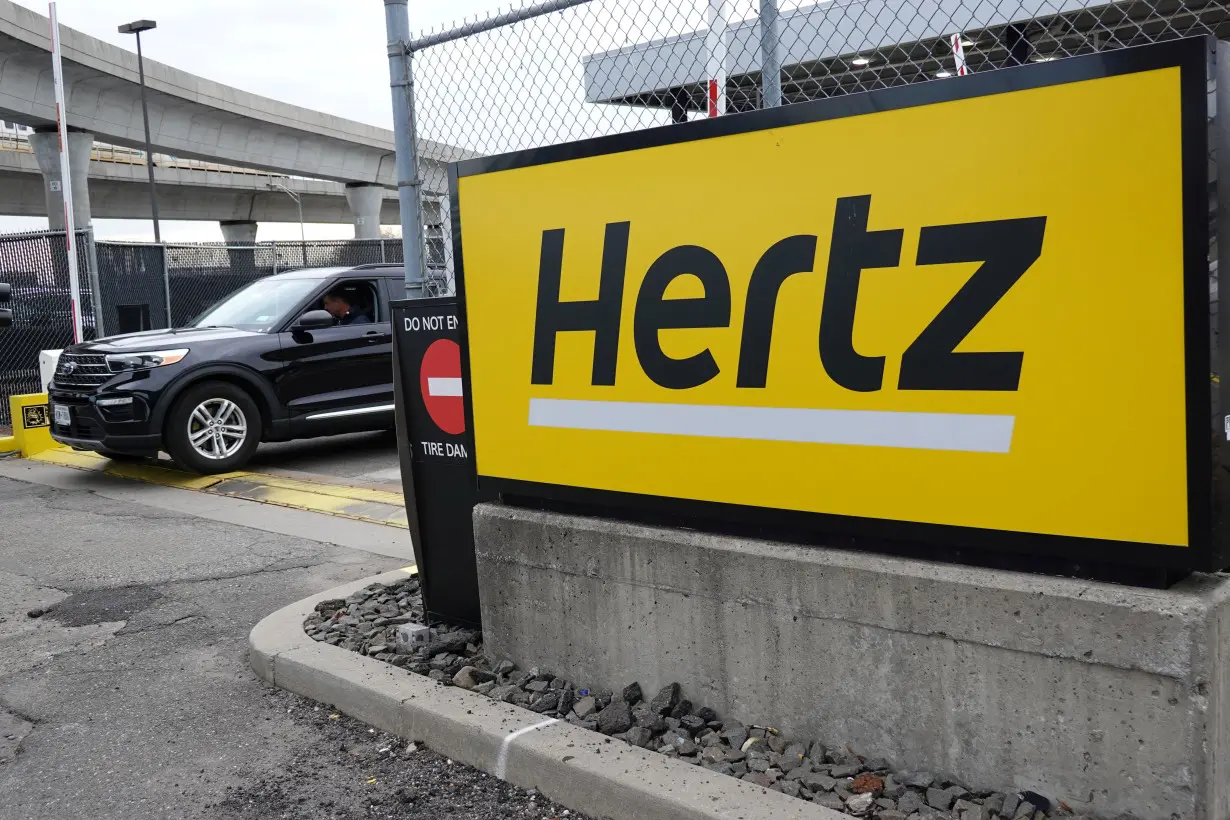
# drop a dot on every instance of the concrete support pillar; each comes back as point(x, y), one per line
point(365, 201)
point(238, 231)
point(46, 145)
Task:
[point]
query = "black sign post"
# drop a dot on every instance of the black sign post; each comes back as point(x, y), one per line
point(435, 450)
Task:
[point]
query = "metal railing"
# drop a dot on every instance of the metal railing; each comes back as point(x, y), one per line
point(12, 139)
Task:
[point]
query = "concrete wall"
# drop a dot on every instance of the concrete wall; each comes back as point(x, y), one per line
point(1110, 698)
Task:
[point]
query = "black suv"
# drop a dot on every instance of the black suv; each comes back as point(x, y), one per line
point(265, 364)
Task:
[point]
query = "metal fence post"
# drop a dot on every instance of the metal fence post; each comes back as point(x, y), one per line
point(401, 80)
point(401, 51)
point(166, 283)
point(382, 259)
point(770, 60)
point(275, 256)
point(1220, 145)
point(91, 259)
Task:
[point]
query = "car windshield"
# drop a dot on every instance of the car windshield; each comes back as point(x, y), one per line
point(261, 306)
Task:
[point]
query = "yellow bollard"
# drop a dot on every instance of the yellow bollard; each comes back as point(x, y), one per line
point(31, 425)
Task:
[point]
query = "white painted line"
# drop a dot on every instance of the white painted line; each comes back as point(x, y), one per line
point(865, 428)
point(443, 386)
point(501, 760)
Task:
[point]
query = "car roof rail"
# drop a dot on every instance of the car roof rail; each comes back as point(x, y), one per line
point(372, 265)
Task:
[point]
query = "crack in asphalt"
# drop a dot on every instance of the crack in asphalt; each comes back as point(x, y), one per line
point(79, 672)
point(142, 630)
point(5, 706)
point(271, 567)
point(62, 500)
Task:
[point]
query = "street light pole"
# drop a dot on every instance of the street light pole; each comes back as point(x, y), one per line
point(299, 203)
point(136, 28)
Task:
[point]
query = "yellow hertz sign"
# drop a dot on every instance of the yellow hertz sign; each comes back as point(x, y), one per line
point(968, 313)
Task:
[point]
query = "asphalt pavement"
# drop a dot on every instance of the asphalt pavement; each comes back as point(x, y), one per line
point(125, 690)
point(369, 458)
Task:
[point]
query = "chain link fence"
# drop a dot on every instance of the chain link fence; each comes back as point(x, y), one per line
point(200, 275)
point(612, 66)
point(139, 285)
point(523, 79)
point(36, 265)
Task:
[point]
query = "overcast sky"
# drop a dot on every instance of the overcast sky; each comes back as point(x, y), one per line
point(519, 87)
point(323, 54)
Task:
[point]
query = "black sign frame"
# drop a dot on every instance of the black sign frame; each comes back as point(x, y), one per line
point(437, 482)
point(1208, 540)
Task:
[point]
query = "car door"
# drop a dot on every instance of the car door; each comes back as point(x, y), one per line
point(340, 378)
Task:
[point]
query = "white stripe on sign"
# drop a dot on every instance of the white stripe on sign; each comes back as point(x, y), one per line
point(443, 387)
point(865, 428)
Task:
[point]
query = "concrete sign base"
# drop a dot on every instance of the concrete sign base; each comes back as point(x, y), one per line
point(1110, 698)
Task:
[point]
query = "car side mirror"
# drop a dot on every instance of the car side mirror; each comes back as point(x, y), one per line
point(314, 320)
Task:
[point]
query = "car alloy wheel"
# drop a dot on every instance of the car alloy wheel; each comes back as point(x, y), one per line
point(217, 429)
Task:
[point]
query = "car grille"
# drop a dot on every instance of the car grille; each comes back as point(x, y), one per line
point(82, 428)
point(81, 370)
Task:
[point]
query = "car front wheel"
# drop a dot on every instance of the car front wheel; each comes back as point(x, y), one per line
point(213, 428)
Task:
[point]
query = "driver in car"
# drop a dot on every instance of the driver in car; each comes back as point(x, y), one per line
point(341, 304)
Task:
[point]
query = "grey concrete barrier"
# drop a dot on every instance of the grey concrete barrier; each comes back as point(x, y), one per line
point(1108, 697)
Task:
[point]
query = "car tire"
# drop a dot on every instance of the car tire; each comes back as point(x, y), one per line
point(214, 427)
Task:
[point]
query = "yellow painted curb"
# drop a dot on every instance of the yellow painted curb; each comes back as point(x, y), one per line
point(358, 503)
point(167, 476)
point(71, 458)
point(8, 444)
point(140, 471)
point(339, 490)
point(331, 499)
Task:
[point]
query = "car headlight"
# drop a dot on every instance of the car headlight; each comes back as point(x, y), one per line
point(119, 362)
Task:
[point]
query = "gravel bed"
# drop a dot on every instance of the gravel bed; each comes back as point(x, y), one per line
point(666, 721)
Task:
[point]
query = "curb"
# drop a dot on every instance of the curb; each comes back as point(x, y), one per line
point(581, 769)
point(375, 506)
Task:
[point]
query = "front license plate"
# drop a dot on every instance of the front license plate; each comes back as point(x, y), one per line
point(60, 413)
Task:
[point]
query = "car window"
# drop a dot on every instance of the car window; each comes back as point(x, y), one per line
point(363, 296)
point(260, 306)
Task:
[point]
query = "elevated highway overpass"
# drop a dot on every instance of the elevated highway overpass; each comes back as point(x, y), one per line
point(194, 118)
point(119, 189)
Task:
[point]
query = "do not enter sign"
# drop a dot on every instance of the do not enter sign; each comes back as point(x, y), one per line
point(440, 382)
point(435, 456)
